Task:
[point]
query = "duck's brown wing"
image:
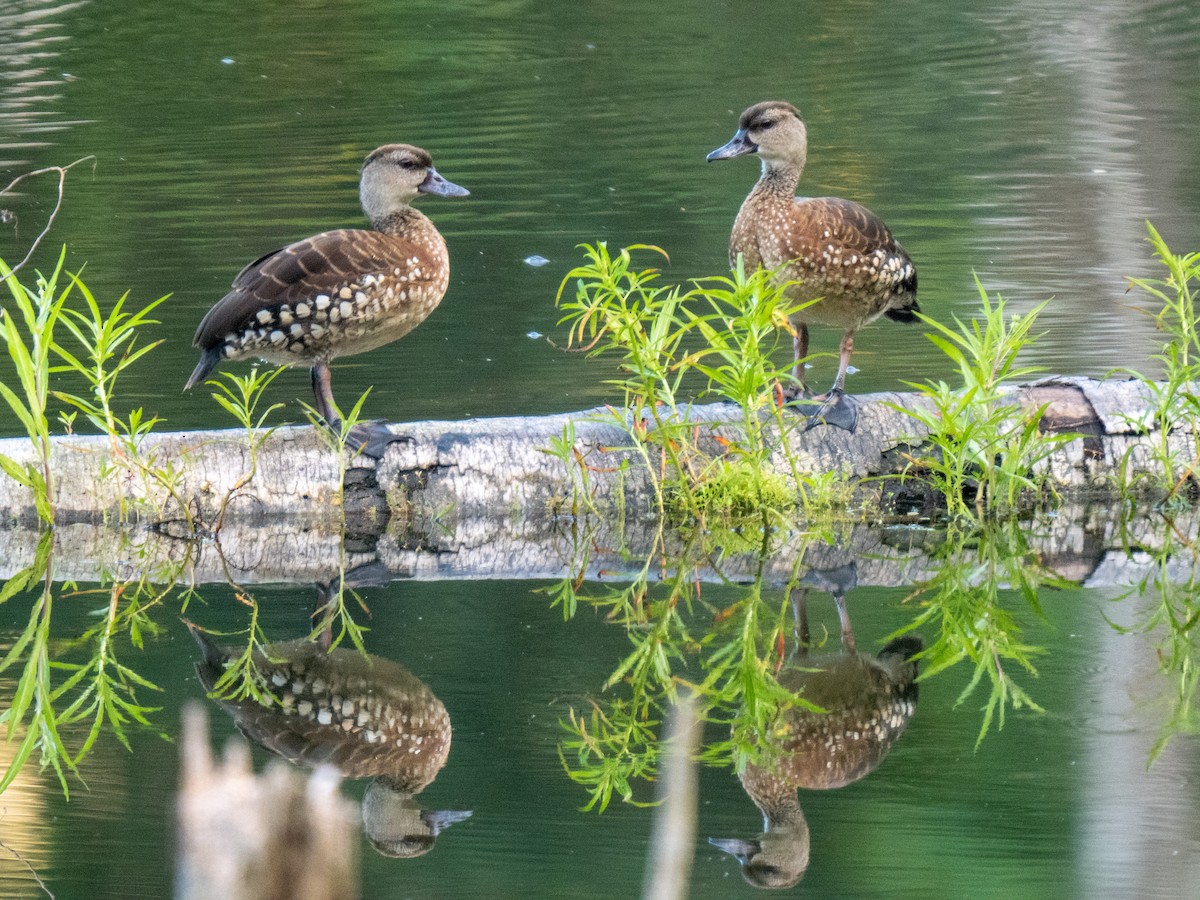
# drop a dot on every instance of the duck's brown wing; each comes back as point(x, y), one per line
point(834, 233)
point(850, 227)
point(322, 264)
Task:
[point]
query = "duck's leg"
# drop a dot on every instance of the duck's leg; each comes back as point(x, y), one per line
point(322, 385)
point(370, 439)
point(836, 408)
point(794, 393)
point(799, 598)
point(848, 642)
point(800, 349)
point(331, 593)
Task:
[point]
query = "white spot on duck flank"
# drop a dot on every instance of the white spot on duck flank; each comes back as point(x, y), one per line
point(346, 309)
point(345, 293)
point(303, 309)
point(324, 717)
point(360, 297)
point(296, 330)
point(285, 317)
point(264, 317)
point(316, 331)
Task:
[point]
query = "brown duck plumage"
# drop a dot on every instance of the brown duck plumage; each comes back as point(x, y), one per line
point(837, 252)
point(369, 717)
point(867, 701)
point(341, 292)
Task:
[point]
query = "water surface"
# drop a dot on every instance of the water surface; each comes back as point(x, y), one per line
point(1027, 144)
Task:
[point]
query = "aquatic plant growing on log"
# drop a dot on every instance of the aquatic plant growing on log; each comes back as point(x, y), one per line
point(979, 449)
point(719, 335)
point(1176, 405)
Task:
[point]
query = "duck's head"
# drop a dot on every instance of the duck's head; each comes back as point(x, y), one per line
point(773, 130)
point(394, 174)
point(397, 826)
point(776, 859)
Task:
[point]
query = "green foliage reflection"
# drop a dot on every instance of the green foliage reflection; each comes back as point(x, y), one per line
point(987, 582)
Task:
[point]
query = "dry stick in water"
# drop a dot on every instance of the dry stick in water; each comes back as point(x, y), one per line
point(62, 180)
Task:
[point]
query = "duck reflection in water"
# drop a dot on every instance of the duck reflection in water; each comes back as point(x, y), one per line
point(365, 715)
point(869, 701)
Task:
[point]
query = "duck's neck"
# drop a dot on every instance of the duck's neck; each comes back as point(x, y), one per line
point(774, 796)
point(786, 814)
point(778, 180)
point(399, 220)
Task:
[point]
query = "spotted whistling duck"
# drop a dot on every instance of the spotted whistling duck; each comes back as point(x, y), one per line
point(867, 701)
point(340, 292)
point(836, 252)
point(367, 716)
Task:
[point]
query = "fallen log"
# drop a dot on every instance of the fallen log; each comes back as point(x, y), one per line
point(481, 499)
point(500, 468)
point(1090, 545)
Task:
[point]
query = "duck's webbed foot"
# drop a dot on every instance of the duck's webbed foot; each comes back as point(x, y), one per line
point(370, 439)
point(835, 408)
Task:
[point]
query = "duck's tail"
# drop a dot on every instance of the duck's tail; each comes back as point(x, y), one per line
point(208, 361)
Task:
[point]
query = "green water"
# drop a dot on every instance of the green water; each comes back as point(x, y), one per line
point(1027, 143)
point(1055, 805)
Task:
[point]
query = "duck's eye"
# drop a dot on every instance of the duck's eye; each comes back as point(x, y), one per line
point(763, 126)
point(407, 164)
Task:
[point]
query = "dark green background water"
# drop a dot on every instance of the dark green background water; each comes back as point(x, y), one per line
point(1057, 805)
point(1027, 142)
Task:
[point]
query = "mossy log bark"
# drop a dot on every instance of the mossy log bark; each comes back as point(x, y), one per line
point(482, 498)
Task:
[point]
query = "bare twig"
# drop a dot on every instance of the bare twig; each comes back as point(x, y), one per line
point(26, 863)
point(62, 180)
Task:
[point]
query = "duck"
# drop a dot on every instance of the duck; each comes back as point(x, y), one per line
point(367, 716)
point(868, 702)
point(341, 292)
point(834, 255)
